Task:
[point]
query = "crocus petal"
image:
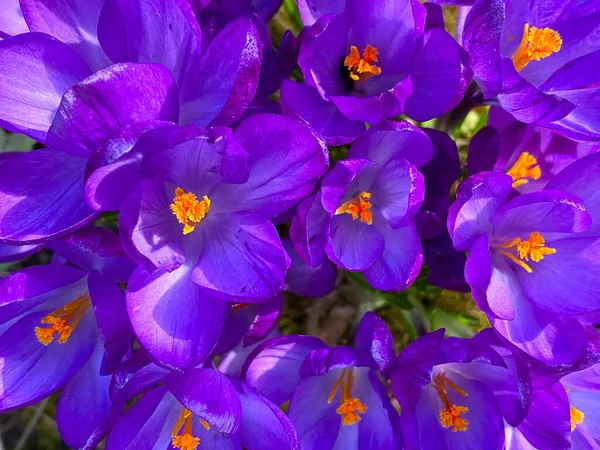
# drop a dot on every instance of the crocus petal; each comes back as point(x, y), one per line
point(400, 262)
point(311, 10)
point(41, 196)
point(308, 230)
point(225, 81)
point(37, 70)
point(172, 317)
point(108, 300)
point(10, 253)
point(11, 20)
point(264, 425)
point(478, 198)
point(373, 338)
point(127, 32)
point(209, 395)
point(136, 375)
point(285, 162)
point(94, 109)
point(30, 370)
point(437, 77)
point(304, 102)
point(94, 248)
point(578, 178)
point(273, 367)
point(241, 260)
point(73, 22)
point(321, 361)
point(83, 412)
point(303, 279)
point(484, 150)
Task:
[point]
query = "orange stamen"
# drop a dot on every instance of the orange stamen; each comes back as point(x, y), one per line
point(188, 209)
point(524, 169)
point(358, 207)
point(536, 44)
point(450, 415)
point(350, 407)
point(182, 436)
point(576, 417)
point(362, 68)
point(533, 248)
point(63, 321)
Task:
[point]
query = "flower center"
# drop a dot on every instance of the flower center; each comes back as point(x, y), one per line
point(536, 44)
point(63, 321)
point(182, 437)
point(524, 169)
point(361, 69)
point(450, 414)
point(188, 209)
point(533, 248)
point(576, 417)
point(358, 207)
point(350, 407)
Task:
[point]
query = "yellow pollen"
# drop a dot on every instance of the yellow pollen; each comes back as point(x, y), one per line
point(63, 321)
point(362, 68)
point(188, 209)
point(533, 248)
point(576, 417)
point(183, 439)
point(350, 407)
point(524, 169)
point(450, 415)
point(358, 207)
point(536, 44)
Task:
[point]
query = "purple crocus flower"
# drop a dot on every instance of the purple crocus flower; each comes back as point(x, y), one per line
point(529, 254)
point(73, 99)
point(365, 61)
point(66, 327)
point(456, 393)
point(584, 407)
point(337, 398)
point(531, 155)
point(539, 59)
point(198, 224)
point(362, 217)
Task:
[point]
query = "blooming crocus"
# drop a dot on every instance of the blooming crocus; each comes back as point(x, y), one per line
point(337, 398)
point(198, 223)
point(365, 61)
point(539, 61)
point(73, 98)
point(531, 155)
point(66, 327)
point(456, 393)
point(204, 408)
point(362, 217)
point(528, 256)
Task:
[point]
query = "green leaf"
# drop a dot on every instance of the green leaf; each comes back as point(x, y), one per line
point(292, 9)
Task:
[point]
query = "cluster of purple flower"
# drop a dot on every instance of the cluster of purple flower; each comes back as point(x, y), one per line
point(180, 116)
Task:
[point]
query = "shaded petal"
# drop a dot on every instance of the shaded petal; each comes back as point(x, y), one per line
point(110, 309)
point(400, 263)
point(438, 76)
point(273, 367)
point(285, 161)
point(37, 70)
point(264, 425)
point(209, 395)
point(373, 338)
point(41, 196)
point(308, 230)
point(172, 317)
point(10, 253)
point(94, 248)
point(320, 361)
point(303, 102)
point(242, 260)
point(484, 150)
point(73, 22)
point(94, 109)
point(135, 376)
point(128, 31)
point(84, 412)
point(225, 81)
point(478, 198)
point(305, 280)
